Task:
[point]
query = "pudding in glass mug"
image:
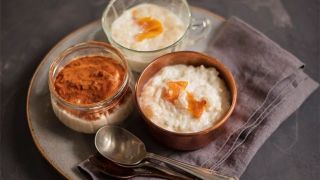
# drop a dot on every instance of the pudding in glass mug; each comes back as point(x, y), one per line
point(144, 30)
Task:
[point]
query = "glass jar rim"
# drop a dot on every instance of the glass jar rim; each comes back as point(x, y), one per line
point(96, 105)
point(103, 20)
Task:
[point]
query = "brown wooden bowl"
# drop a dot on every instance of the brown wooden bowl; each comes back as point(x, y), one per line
point(186, 141)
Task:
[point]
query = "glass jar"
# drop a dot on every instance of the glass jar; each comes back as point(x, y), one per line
point(88, 118)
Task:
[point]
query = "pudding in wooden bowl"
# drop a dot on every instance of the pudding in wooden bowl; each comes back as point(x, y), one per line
point(184, 97)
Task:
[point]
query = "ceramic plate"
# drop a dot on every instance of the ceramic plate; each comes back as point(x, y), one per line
point(62, 147)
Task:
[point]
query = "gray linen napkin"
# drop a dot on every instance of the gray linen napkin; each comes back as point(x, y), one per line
point(271, 86)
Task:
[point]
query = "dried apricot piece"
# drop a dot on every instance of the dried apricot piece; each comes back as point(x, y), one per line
point(196, 107)
point(173, 90)
point(150, 28)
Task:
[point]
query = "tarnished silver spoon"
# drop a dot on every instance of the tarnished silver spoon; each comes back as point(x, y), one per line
point(120, 146)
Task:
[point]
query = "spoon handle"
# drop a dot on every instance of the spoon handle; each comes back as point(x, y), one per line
point(199, 172)
point(166, 170)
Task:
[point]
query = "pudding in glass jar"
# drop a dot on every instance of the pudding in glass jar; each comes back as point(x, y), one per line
point(90, 87)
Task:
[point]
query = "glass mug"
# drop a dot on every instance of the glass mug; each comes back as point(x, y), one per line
point(195, 29)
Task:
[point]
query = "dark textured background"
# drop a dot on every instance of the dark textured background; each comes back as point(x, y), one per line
point(29, 29)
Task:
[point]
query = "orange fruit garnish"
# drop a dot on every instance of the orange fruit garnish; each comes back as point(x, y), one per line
point(150, 28)
point(173, 90)
point(196, 107)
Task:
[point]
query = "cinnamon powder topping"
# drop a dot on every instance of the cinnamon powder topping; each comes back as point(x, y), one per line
point(90, 79)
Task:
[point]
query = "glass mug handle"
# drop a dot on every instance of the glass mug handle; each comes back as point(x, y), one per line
point(199, 29)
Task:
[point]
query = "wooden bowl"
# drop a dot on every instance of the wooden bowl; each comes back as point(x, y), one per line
point(186, 141)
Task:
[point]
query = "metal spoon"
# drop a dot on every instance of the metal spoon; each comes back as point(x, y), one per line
point(112, 169)
point(121, 146)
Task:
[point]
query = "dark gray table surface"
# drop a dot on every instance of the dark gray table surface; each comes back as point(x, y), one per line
point(29, 29)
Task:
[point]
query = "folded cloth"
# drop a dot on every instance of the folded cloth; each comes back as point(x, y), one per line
point(271, 86)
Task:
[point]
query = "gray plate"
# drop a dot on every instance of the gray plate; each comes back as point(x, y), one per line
point(62, 147)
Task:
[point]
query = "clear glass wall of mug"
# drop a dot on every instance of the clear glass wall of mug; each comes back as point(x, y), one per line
point(138, 60)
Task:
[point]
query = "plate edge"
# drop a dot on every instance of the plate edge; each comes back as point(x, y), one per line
point(34, 138)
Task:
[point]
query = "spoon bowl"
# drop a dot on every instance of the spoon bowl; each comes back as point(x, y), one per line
point(119, 145)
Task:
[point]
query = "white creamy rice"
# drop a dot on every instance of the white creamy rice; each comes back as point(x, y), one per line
point(124, 28)
point(203, 83)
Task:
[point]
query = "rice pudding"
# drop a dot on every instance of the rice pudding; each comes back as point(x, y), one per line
point(147, 27)
point(185, 99)
point(83, 85)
